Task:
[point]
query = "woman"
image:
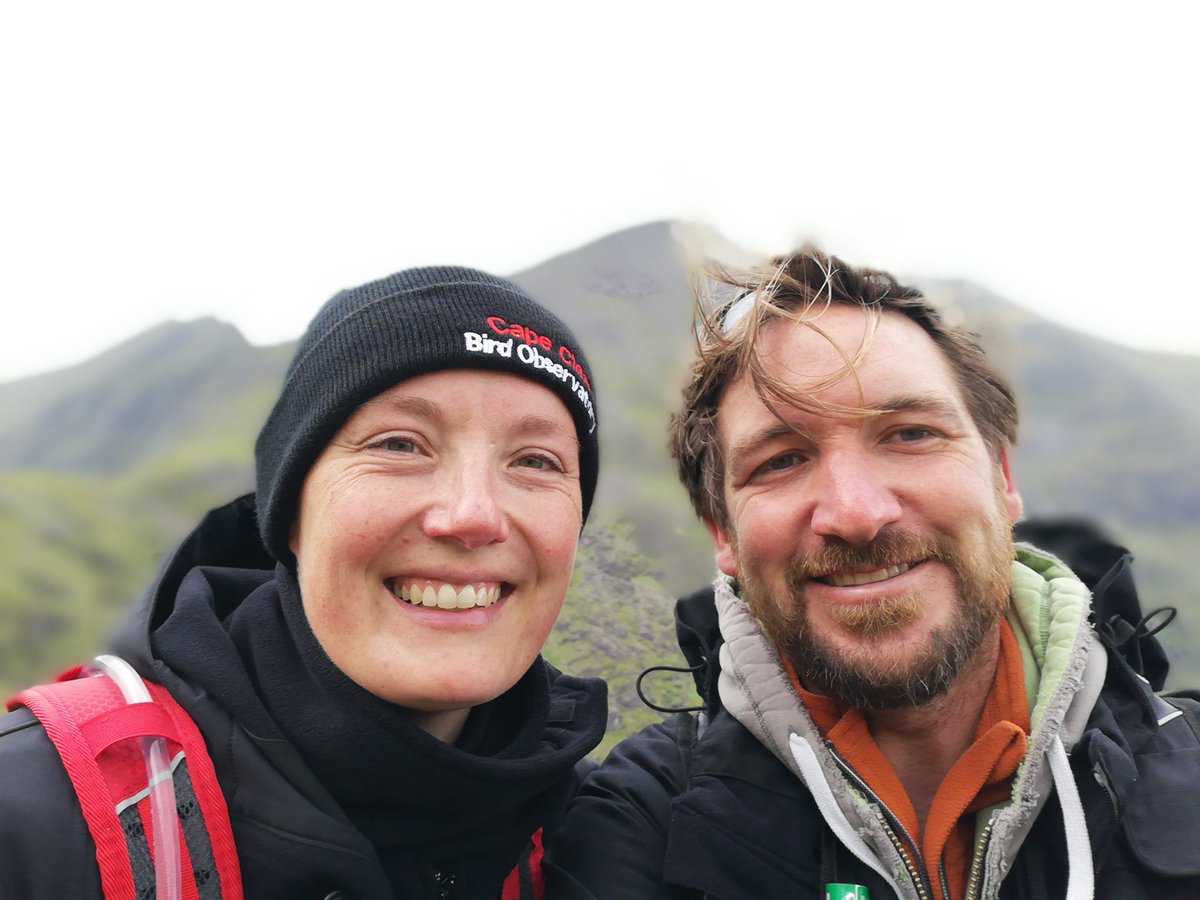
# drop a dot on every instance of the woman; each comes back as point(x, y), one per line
point(370, 689)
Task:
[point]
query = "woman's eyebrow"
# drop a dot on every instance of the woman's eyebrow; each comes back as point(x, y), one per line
point(533, 424)
point(418, 406)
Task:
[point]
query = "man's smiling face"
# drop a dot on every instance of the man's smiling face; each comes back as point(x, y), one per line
point(874, 548)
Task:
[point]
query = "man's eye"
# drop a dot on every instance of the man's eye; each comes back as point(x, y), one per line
point(915, 433)
point(780, 462)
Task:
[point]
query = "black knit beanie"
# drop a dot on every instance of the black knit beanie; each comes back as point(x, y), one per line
point(368, 339)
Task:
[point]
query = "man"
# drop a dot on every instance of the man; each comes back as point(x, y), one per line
point(897, 699)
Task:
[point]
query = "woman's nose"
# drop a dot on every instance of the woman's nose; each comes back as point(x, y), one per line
point(467, 509)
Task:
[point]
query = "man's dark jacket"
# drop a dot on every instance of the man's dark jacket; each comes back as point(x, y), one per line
point(699, 806)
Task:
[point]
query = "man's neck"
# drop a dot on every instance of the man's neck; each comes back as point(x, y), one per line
point(923, 743)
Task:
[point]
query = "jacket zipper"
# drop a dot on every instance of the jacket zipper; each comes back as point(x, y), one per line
point(973, 881)
point(1101, 776)
point(907, 848)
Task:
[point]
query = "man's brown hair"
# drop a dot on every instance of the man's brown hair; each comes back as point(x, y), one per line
point(798, 288)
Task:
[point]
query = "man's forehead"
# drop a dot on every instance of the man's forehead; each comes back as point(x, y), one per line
point(844, 347)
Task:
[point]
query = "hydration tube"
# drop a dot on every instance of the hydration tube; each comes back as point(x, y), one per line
point(164, 818)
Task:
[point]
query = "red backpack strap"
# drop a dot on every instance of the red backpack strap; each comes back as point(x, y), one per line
point(55, 709)
point(526, 881)
point(205, 823)
point(98, 737)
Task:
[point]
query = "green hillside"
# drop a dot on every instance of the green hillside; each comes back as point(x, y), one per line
point(76, 549)
point(195, 384)
point(104, 466)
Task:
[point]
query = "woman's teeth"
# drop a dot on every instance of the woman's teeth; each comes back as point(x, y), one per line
point(446, 596)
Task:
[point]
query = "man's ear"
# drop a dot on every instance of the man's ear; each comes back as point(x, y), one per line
point(1012, 497)
point(726, 561)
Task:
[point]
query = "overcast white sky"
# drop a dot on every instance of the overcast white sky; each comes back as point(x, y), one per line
point(247, 160)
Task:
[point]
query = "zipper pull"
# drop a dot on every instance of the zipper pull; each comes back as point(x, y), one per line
point(846, 892)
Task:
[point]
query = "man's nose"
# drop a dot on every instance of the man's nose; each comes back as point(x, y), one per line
point(851, 499)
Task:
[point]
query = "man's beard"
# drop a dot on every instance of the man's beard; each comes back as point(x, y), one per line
point(872, 680)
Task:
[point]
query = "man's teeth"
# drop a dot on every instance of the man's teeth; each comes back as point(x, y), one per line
point(446, 596)
point(853, 579)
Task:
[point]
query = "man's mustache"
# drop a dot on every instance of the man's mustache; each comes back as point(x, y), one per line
point(891, 547)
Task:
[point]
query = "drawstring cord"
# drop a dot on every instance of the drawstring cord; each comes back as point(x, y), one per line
point(1080, 878)
point(814, 778)
point(691, 670)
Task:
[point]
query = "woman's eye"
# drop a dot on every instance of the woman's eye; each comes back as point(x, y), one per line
point(397, 445)
point(533, 461)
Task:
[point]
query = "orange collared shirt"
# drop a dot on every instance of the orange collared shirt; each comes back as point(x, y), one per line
point(981, 776)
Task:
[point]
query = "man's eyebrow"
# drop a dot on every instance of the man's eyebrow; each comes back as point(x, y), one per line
point(765, 435)
point(921, 404)
point(926, 404)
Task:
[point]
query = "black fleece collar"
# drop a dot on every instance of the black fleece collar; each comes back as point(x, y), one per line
point(469, 809)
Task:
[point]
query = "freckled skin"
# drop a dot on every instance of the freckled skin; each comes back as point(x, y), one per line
point(457, 476)
point(843, 487)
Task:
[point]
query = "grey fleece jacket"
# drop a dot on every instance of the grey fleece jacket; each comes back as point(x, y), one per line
point(1064, 665)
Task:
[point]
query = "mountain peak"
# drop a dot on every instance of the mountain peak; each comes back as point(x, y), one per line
point(153, 391)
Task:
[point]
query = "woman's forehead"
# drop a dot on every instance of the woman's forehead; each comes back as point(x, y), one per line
point(446, 392)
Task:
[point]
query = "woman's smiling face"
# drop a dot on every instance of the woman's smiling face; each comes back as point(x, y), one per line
point(436, 535)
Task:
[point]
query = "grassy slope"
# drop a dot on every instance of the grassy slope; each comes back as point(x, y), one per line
point(75, 554)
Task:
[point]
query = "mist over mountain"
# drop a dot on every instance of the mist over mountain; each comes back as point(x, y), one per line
point(105, 465)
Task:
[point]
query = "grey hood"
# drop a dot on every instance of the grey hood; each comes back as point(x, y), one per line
point(1064, 666)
